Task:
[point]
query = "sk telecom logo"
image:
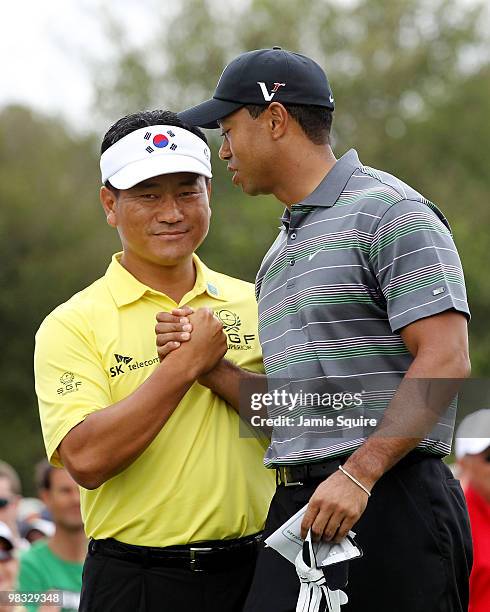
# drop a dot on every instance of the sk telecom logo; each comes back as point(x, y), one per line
point(268, 96)
point(118, 369)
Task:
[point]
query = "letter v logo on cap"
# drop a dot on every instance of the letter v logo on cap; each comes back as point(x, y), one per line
point(268, 96)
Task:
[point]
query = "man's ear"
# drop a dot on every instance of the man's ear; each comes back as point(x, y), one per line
point(208, 188)
point(108, 200)
point(43, 495)
point(278, 119)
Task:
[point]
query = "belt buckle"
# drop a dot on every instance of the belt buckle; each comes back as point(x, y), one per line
point(194, 563)
point(288, 483)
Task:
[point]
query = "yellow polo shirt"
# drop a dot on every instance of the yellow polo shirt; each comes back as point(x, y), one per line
point(199, 479)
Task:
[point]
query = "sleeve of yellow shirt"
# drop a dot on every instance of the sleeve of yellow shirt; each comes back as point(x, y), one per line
point(70, 379)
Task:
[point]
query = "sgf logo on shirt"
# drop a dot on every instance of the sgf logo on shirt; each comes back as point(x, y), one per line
point(231, 326)
point(69, 384)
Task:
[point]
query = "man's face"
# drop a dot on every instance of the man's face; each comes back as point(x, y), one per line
point(8, 502)
point(63, 500)
point(248, 149)
point(161, 220)
point(476, 470)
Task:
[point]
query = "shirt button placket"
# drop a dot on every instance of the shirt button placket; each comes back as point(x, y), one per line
point(292, 261)
point(292, 237)
point(291, 288)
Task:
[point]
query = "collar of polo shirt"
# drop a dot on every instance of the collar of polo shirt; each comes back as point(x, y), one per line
point(151, 151)
point(126, 289)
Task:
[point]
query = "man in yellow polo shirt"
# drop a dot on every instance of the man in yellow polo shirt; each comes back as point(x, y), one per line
point(172, 497)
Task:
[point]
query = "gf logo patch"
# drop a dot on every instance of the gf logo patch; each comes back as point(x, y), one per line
point(230, 320)
point(231, 326)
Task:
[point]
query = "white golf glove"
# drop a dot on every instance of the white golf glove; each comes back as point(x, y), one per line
point(313, 585)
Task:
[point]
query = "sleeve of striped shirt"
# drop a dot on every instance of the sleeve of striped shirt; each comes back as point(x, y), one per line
point(416, 263)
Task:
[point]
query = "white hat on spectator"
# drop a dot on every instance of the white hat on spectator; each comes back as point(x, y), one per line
point(473, 434)
point(29, 507)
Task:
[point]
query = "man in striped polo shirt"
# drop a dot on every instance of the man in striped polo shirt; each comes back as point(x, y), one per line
point(362, 291)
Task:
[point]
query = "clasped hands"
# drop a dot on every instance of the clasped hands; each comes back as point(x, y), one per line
point(197, 335)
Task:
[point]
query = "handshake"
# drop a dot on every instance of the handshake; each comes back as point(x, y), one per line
point(196, 337)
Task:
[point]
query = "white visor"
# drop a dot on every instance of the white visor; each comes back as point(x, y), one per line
point(151, 151)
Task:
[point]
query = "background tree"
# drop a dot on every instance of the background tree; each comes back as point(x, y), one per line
point(53, 242)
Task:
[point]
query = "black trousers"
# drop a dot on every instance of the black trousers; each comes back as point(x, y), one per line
point(116, 585)
point(415, 536)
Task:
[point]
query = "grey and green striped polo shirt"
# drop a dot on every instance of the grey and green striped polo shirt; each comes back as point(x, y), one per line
point(357, 260)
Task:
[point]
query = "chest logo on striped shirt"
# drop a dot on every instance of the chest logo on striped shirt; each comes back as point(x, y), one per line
point(310, 257)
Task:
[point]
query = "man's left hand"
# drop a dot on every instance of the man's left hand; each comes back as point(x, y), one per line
point(335, 506)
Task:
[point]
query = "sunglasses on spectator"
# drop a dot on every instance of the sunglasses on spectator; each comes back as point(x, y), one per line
point(4, 501)
point(6, 555)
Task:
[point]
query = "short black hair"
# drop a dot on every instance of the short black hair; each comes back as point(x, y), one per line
point(43, 472)
point(315, 121)
point(135, 121)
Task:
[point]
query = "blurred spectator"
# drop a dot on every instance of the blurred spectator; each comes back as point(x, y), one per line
point(10, 495)
point(34, 529)
point(29, 508)
point(56, 563)
point(8, 565)
point(473, 455)
point(32, 526)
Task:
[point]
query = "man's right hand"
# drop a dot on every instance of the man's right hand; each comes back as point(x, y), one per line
point(172, 329)
point(204, 348)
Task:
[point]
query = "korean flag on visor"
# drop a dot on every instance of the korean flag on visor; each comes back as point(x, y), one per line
point(151, 151)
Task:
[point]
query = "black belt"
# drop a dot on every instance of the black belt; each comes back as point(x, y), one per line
point(201, 556)
point(297, 475)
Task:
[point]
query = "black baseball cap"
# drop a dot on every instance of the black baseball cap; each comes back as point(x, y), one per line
point(260, 77)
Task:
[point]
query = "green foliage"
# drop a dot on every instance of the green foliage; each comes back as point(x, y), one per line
point(53, 241)
point(410, 79)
